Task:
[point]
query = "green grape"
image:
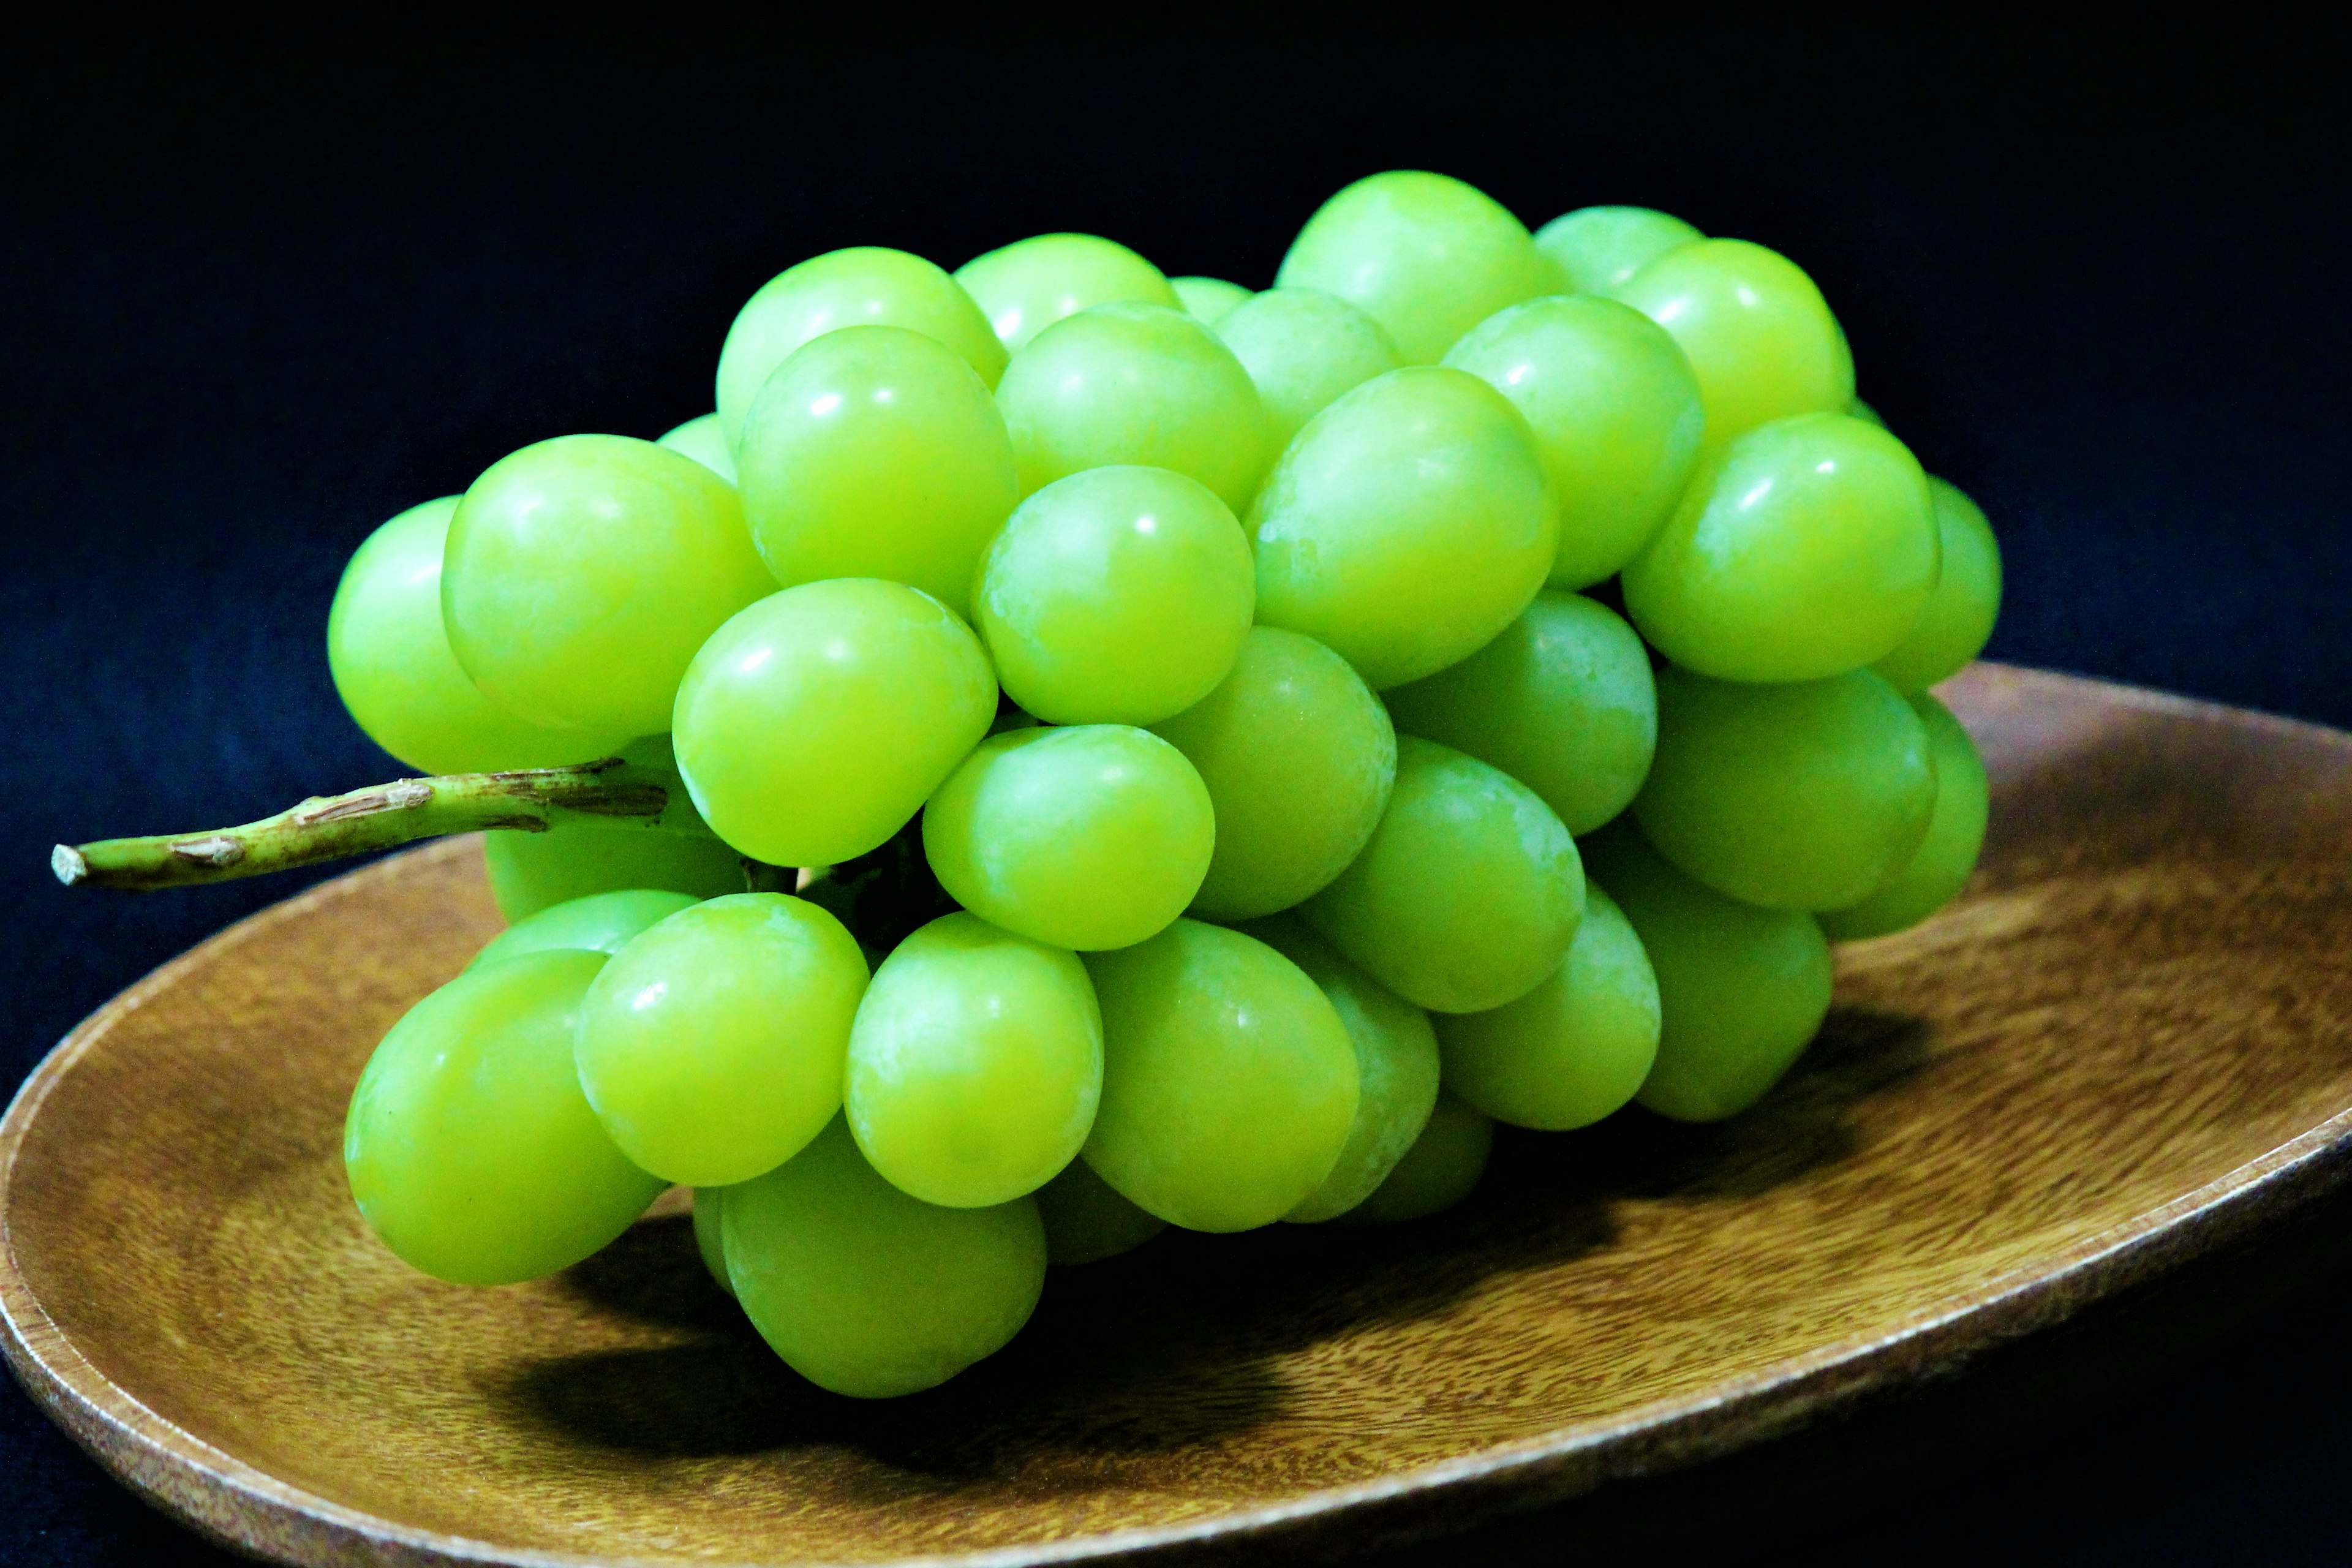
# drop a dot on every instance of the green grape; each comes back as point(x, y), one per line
point(1206, 299)
point(1439, 1170)
point(1406, 525)
point(1794, 798)
point(582, 572)
point(1960, 613)
point(1396, 1067)
point(1304, 348)
point(1468, 893)
point(1135, 384)
point(1862, 411)
point(1027, 286)
point(1756, 331)
point(1598, 249)
point(1426, 257)
point(1806, 549)
point(976, 1063)
point(1093, 835)
point(712, 1046)
point(705, 440)
point(864, 286)
point(1562, 700)
point(392, 665)
point(1229, 1083)
point(709, 1234)
point(1298, 757)
point(1573, 1049)
point(1939, 869)
point(530, 872)
point(875, 452)
point(600, 922)
point(1088, 1221)
point(470, 1147)
point(1615, 412)
point(1741, 990)
point(813, 726)
point(1116, 596)
point(867, 1292)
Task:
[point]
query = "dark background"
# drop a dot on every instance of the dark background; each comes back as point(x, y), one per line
point(251, 305)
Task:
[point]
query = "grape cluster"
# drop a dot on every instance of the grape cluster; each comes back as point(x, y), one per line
point(1212, 754)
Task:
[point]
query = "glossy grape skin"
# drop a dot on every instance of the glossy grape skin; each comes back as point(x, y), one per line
point(1088, 1221)
point(1298, 757)
point(1441, 1169)
point(812, 726)
point(1207, 298)
point(1303, 349)
point(1866, 412)
point(530, 872)
point(975, 1064)
point(1406, 524)
point(1741, 990)
point(1116, 596)
point(1027, 286)
point(1755, 330)
point(470, 1150)
point(867, 1292)
point(1939, 867)
point(863, 285)
point(1806, 549)
point(1960, 613)
point(711, 1235)
point(1425, 255)
point(704, 439)
point(1087, 836)
point(600, 922)
point(582, 572)
point(1468, 893)
point(1615, 414)
point(392, 665)
point(1229, 1083)
point(1575, 1048)
point(1562, 700)
point(1599, 248)
point(1795, 797)
point(875, 452)
point(1135, 384)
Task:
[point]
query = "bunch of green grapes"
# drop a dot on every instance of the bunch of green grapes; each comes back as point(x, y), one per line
point(1199, 780)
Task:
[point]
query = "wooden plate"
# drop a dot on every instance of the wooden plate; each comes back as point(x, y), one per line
point(2131, 1038)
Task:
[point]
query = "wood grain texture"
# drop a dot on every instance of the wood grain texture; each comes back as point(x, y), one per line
point(2132, 1037)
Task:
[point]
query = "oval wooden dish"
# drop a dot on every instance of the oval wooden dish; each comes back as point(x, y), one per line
point(2132, 1037)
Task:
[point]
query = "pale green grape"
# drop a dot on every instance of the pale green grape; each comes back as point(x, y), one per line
point(600, 922)
point(867, 1292)
point(1468, 893)
point(533, 871)
point(705, 440)
point(1426, 257)
point(1229, 1084)
point(1866, 412)
point(1206, 299)
point(1807, 548)
point(1756, 331)
point(1094, 836)
point(1116, 596)
point(876, 452)
point(1135, 384)
point(1960, 613)
point(1939, 869)
point(1573, 1049)
point(1406, 524)
point(1298, 757)
point(470, 1150)
point(1304, 348)
point(1088, 1221)
point(1741, 990)
point(1598, 249)
point(1794, 798)
point(1396, 1067)
point(976, 1063)
point(812, 726)
point(864, 286)
point(709, 1233)
point(1027, 286)
point(582, 572)
point(1562, 700)
point(392, 665)
point(1615, 412)
point(1439, 1170)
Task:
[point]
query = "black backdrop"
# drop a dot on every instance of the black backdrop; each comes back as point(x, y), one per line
point(250, 306)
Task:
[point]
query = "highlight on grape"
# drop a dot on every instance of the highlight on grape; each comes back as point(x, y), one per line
point(1062, 752)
